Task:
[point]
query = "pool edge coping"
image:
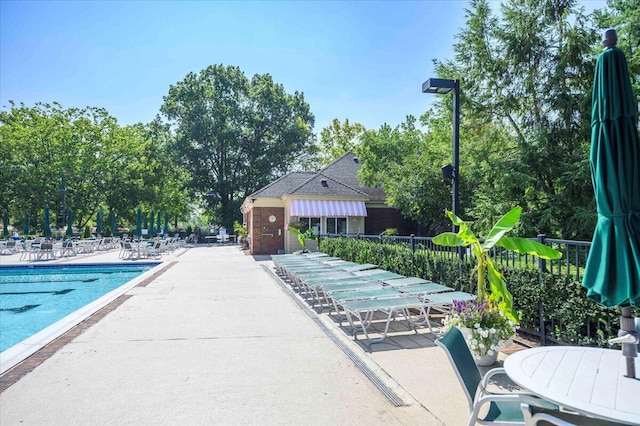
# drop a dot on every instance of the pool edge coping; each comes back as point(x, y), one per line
point(22, 351)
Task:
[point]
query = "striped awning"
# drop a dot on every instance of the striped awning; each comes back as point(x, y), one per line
point(332, 208)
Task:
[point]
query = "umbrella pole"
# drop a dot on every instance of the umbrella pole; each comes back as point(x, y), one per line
point(629, 350)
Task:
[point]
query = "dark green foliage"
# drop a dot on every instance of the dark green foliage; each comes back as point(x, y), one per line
point(107, 231)
point(47, 147)
point(87, 232)
point(235, 134)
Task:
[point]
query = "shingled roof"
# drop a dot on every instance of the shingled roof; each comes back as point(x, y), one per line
point(345, 169)
point(339, 178)
point(284, 185)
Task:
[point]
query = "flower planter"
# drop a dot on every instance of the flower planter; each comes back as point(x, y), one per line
point(483, 360)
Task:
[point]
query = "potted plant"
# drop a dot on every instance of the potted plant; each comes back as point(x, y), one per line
point(484, 327)
point(241, 233)
point(491, 320)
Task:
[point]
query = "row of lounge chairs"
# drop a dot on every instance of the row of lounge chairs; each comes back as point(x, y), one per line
point(44, 249)
point(148, 249)
point(363, 294)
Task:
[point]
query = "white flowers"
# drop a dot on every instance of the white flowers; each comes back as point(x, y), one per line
point(484, 326)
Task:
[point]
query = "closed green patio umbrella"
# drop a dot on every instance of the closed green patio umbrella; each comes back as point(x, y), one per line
point(69, 223)
point(612, 274)
point(27, 216)
point(138, 232)
point(113, 222)
point(151, 224)
point(5, 223)
point(159, 225)
point(47, 222)
point(99, 221)
point(166, 223)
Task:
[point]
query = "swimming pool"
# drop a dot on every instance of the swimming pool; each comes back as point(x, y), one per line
point(34, 297)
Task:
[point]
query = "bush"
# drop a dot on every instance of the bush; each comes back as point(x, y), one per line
point(87, 232)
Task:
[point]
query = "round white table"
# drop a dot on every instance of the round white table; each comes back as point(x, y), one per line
point(588, 380)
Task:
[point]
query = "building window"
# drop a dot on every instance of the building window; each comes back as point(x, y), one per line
point(336, 225)
point(309, 222)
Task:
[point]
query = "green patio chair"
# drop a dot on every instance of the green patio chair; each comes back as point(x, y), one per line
point(485, 407)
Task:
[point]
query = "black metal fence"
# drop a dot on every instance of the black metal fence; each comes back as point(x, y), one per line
point(572, 263)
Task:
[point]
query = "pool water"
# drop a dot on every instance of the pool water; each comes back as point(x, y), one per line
point(33, 298)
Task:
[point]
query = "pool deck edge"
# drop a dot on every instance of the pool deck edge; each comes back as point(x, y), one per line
point(22, 351)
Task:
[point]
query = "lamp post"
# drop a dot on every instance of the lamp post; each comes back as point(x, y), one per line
point(443, 86)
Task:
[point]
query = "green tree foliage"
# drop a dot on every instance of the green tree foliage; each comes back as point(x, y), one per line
point(337, 139)
point(530, 72)
point(407, 163)
point(46, 148)
point(235, 135)
point(624, 16)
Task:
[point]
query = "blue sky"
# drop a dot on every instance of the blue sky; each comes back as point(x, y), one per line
point(361, 60)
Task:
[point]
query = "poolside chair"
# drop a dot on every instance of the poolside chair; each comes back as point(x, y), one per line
point(547, 417)
point(29, 249)
point(126, 250)
point(496, 409)
point(360, 315)
point(67, 248)
point(154, 250)
point(45, 251)
point(10, 247)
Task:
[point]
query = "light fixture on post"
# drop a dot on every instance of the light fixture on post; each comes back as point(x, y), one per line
point(442, 86)
point(447, 171)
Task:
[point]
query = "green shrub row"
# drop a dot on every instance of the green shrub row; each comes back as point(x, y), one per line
point(569, 316)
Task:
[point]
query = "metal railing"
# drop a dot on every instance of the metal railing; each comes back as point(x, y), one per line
point(572, 263)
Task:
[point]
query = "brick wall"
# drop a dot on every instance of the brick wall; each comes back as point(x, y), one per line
point(379, 219)
point(264, 236)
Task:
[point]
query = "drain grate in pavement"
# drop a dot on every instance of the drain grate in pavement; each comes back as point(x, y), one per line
point(377, 382)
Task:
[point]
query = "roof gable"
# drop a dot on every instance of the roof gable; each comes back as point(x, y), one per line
point(340, 179)
point(320, 185)
point(283, 186)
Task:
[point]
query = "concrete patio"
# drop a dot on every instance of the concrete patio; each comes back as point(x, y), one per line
point(217, 339)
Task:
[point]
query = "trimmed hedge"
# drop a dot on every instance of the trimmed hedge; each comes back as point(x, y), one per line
point(569, 316)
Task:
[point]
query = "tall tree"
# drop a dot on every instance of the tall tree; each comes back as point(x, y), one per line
point(337, 139)
point(624, 16)
point(407, 163)
point(531, 71)
point(80, 159)
point(235, 135)
point(55, 157)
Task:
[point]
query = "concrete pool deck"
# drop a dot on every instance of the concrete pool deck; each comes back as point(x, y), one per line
point(216, 339)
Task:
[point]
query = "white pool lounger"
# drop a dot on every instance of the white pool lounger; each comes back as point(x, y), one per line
point(360, 312)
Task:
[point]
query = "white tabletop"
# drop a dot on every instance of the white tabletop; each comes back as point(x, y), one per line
point(588, 380)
